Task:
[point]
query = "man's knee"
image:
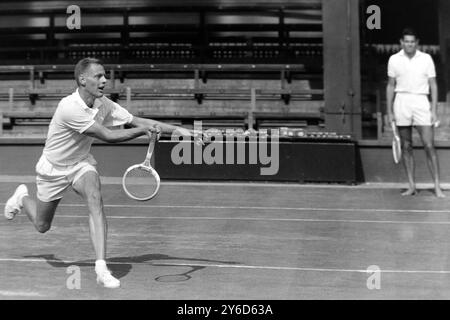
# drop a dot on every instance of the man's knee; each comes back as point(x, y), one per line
point(93, 195)
point(44, 215)
point(43, 226)
point(93, 199)
point(428, 145)
point(407, 146)
point(89, 186)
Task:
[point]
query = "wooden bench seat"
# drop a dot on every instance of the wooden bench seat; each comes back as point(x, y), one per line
point(181, 93)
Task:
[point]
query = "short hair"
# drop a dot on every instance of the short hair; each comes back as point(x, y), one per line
point(83, 65)
point(409, 32)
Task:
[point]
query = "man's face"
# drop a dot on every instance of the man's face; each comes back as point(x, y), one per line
point(409, 44)
point(95, 80)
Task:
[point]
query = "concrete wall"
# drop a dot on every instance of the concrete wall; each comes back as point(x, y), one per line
point(376, 165)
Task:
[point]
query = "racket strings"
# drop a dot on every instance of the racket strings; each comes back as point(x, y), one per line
point(141, 183)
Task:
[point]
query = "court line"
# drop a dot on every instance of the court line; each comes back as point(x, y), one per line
point(259, 208)
point(8, 293)
point(269, 208)
point(242, 266)
point(365, 185)
point(264, 219)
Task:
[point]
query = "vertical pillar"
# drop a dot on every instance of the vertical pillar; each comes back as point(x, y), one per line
point(251, 115)
point(128, 95)
point(11, 98)
point(444, 43)
point(203, 37)
point(342, 76)
point(125, 52)
point(112, 78)
point(32, 77)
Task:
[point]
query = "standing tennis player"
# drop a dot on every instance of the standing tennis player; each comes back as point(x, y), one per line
point(66, 162)
point(411, 78)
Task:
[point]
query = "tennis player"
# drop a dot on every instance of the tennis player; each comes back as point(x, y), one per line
point(411, 78)
point(66, 162)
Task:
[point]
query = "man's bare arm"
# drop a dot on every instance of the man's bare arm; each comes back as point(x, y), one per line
point(434, 97)
point(112, 136)
point(167, 128)
point(390, 93)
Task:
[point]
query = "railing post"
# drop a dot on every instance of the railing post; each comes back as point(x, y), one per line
point(11, 98)
point(379, 115)
point(196, 79)
point(112, 79)
point(128, 92)
point(32, 78)
point(1, 123)
point(251, 118)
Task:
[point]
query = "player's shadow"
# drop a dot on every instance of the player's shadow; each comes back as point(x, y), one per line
point(121, 266)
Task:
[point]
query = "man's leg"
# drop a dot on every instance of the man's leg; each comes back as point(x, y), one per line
point(40, 213)
point(88, 186)
point(427, 135)
point(405, 133)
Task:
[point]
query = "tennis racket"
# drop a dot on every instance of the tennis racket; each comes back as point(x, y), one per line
point(140, 181)
point(396, 145)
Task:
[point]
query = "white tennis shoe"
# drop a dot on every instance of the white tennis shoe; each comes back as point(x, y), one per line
point(107, 280)
point(14, 204)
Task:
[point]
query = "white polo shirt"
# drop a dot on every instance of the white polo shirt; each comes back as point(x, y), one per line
point(411, 75)
point(66, 144)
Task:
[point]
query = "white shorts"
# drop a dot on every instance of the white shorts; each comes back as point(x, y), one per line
point(52, 181)
point(412, 109)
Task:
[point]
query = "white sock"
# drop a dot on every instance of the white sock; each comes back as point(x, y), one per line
point(100, 266)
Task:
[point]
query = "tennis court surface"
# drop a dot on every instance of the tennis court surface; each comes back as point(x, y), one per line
point(236, 241)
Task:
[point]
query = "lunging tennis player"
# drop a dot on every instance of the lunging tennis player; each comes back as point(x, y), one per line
point(79, 118)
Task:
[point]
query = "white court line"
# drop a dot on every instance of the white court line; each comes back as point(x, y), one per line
point(268, 208)
point(235, 266)
point(260, 208)
point(264, 219)
point(365, 185)
point(8, 293)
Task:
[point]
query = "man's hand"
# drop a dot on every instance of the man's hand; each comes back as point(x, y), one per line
point(154, 129)
point(434, 119)
point(391, 118)
point(184, 132)
point(198, 135)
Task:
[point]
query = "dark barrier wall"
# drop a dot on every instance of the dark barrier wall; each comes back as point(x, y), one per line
point(373, 161)
point(296, 161)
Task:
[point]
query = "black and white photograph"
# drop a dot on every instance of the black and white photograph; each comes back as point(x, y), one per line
point(227, 155)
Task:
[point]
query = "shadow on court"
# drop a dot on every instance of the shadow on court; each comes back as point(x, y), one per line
point(427, 192)
point(121, 266)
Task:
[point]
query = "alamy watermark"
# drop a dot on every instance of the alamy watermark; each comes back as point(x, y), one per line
point(231, 150)
point(74, 280)
point(74, 20)
point(374, 280)
point(374, 20)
